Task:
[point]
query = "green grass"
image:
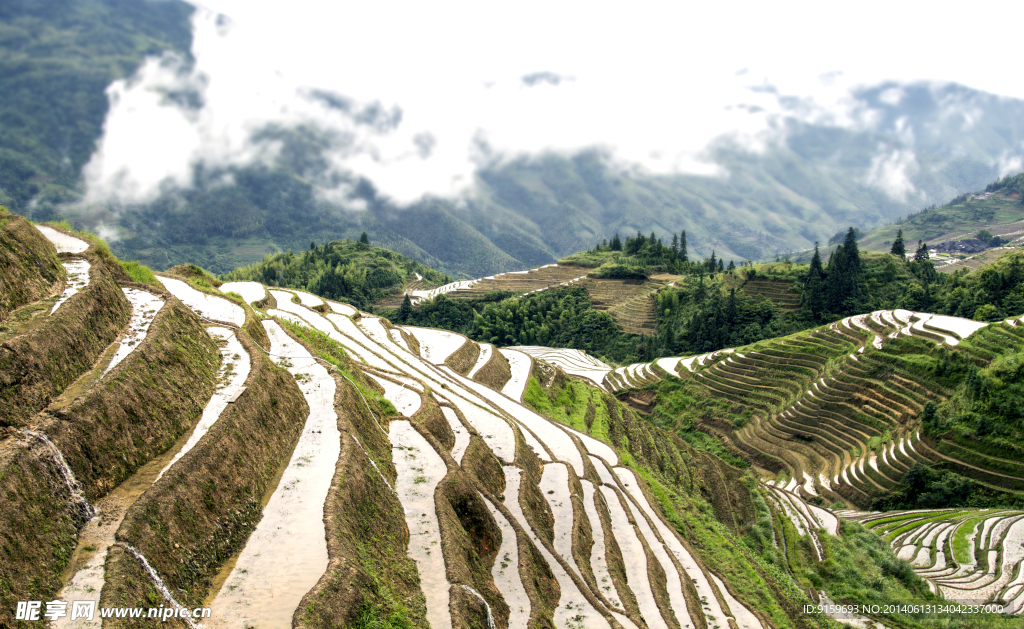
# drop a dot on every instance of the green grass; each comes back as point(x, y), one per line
point(570, 406)
point(891, 535)
point(331, 351)
point(139, 272)
point(961, 547)
point(964, 218)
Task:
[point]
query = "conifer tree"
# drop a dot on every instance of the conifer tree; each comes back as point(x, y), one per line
point(731, 267)
point(406, 308)
point(675, 243)
point(616, 243)
point(364, 239)
point(721, 266)
point(922, 252)
point(899, 248)
point(682, 247)
point(813, 297)
point(834, 281)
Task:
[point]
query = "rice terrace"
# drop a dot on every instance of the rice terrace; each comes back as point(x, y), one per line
point(260, 456)
point(340, 315)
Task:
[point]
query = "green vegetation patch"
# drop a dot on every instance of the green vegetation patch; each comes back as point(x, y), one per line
point(342, 270)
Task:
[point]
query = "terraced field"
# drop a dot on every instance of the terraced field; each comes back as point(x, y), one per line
point(837, 407)
point(307, 449)
point(629, 302)
point(779, 292)
point(521, 282)
point(970, 556)
point(414, 286)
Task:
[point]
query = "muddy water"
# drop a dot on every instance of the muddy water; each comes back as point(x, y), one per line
point(418, 471)
point(84, 576)
point(405, 399)
point(520, 365)
point(145, 305)
point(705, 592)
point(744, 618)
point(370, 337)
point(287, 553)
point(598, 562)
point(63, 242)
point(506, 572)
point(78, 278)
point(634, 558)
point(437, 345)
point(461, 434)
point(208, 306)
point(250, 291)
point(573, 609)
point(554, 485)
point(496, 433)
point(551, 435)
point(486, 350)
point(673, 583)
point(234, 369)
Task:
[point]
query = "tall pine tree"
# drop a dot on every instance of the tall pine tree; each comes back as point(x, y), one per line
point(813, 299)
point(899, 248)
point(682, 247)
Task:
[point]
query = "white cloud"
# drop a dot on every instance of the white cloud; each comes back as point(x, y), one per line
point(654, 85)
point(1010, 164)
point(891, 171)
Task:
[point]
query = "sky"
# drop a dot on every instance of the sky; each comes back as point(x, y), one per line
point(457, 85)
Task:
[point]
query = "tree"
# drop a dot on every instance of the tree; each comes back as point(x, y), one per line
point(922, 252)
point(731, 267)
point(852, 251)
point(406, 308)
point(675, 243)
point(721, 265)
point(616, 243)
point(813, 297)
point(899, 248)
point(682, 247)
point(312, 246)
point(364, 239)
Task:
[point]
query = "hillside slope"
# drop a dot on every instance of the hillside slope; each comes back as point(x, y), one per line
point(404, 475)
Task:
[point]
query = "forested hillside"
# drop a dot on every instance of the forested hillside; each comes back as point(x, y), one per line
point(56, 61)
point(997, 209)
point(343, 270)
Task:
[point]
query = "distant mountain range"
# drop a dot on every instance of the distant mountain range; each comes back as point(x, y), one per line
point(902, 147)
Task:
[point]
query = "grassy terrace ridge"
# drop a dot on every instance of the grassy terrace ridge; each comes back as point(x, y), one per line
point(193, 520)
point(858, 565)
point(829, 404)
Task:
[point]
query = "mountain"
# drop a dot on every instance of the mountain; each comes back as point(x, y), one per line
point(997, 209)
point(56, 62)
point(239, 440)
point(892, 150)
